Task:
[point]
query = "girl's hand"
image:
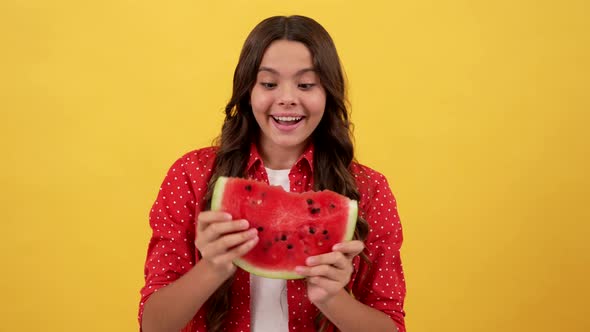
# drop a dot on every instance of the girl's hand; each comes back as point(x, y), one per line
point(327, 274)
point(220, 240)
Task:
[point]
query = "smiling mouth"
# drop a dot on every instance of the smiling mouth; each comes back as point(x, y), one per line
point(287, 120)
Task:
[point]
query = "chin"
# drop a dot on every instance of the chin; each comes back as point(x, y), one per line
point(288, 143)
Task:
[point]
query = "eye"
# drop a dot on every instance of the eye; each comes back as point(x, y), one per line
point(268, 85)
point(306, 86)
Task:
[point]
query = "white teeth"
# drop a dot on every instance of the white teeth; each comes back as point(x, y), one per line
point(287, 118)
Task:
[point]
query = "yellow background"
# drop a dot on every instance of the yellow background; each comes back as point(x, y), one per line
point(475, 111)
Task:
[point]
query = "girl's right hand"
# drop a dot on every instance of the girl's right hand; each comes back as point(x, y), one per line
point(220, 240)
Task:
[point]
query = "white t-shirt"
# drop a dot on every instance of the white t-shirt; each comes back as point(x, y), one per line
point(268, 297)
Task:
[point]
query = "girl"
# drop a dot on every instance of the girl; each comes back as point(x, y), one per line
point(286, 124)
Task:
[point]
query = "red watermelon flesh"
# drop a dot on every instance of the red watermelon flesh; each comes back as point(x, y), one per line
point(291, 226)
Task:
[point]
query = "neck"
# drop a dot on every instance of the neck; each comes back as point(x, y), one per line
point(276, 157)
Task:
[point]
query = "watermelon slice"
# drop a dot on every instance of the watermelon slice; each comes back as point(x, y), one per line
point(291, 226)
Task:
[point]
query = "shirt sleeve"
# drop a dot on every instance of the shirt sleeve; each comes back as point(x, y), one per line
point(171, 250)
point(384, 283)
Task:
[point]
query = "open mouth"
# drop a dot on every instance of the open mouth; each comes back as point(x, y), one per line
point(287, 120)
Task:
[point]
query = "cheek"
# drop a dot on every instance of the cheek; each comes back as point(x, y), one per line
point(260, 100)
point(316, 104)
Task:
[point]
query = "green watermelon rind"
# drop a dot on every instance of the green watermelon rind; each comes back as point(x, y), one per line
point(352, 218)
point(273, 274)
point(218, 191)
point(216, 201)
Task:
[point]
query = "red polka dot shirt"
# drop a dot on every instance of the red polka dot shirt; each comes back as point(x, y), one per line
point(171, 251)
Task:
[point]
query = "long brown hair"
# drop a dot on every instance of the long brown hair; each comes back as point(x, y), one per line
point(332, 138)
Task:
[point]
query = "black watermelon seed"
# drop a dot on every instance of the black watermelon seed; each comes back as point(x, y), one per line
point(248, 187)
point(325, 232)
point(315, 210)
point(260, 228)
point(332, 205)
point(326, 237)
point(289, 246)
point(309, 201)
point(312, 230)
point(277, 239)
point(284, 237)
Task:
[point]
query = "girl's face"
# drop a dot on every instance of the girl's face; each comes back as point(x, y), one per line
point(287, 100)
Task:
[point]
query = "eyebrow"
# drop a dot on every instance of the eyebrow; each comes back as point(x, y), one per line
point(298, 73)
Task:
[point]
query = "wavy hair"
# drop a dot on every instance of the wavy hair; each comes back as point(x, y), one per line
point(332, 138)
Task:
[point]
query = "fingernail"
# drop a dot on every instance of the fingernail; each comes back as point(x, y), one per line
point(299, 269)
point(310, 260)
point(244, 223)
point(227, 216)
point(253, 231)
point(337, 246)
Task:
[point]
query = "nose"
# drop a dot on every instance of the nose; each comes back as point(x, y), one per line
point(287, 97)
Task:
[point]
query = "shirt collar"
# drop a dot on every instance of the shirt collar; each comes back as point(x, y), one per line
point(306, 158)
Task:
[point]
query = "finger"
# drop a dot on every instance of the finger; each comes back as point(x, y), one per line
point(207, 217)
point(220, 228)
point(325, 271)
point(334, 258)
point(349, 248)
point(318, 293)
point(329, 286)
point(238, 251)
point(228, 242)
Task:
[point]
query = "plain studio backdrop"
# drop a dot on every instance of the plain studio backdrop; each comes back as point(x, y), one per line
point(475, 111)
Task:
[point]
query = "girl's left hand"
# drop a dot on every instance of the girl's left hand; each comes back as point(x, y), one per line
point(327, 274)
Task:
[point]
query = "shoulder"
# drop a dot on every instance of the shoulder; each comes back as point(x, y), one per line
point(199, 160)
point(375, 192)
point(364, 172)
point(202, 156)
point(189, 174)
point(194, 167)
point(378, 206)
point(368, 180)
